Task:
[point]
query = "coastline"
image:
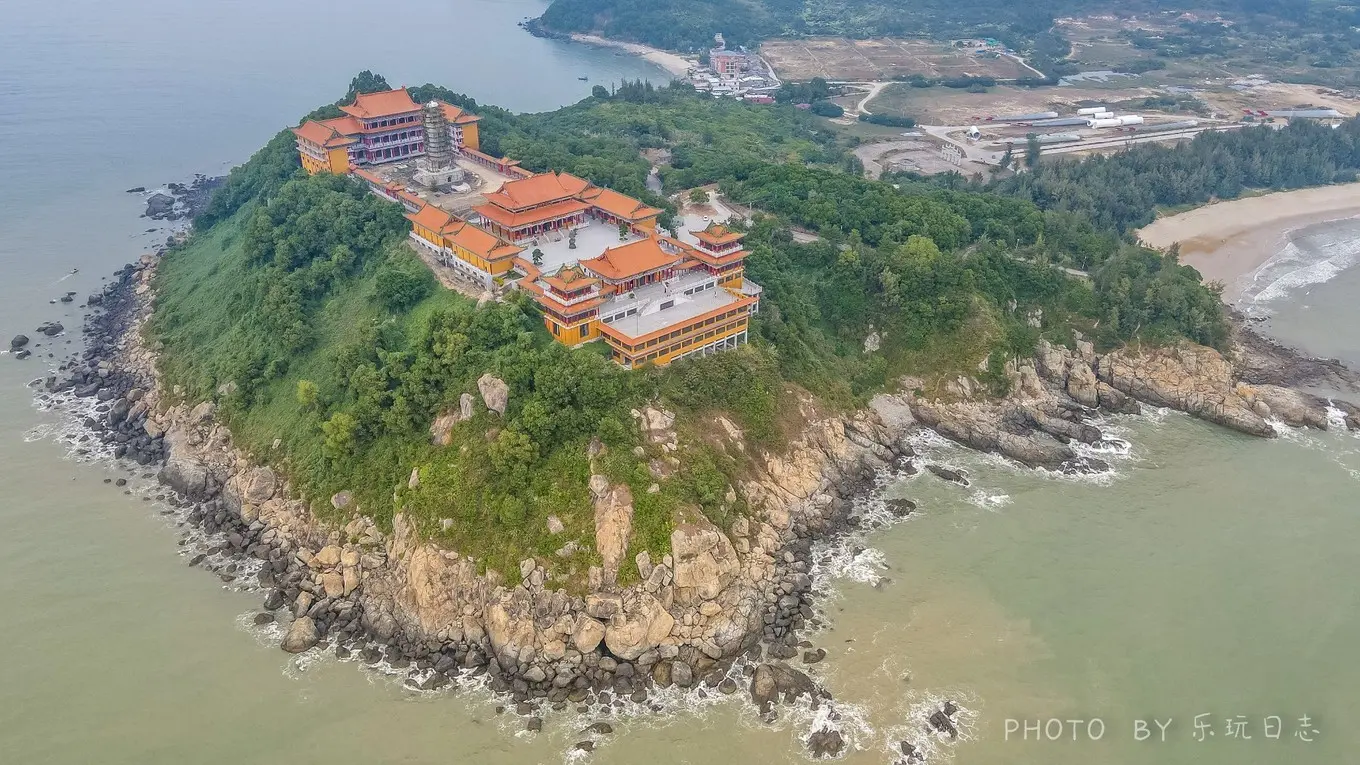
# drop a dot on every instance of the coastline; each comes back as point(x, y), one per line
point(1230, 241)
point(672, 62)
point(726, 608)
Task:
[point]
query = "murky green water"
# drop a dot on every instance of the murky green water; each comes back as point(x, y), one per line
point(1214, 575)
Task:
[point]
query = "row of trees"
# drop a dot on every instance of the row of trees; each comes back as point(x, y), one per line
point(1123, 191)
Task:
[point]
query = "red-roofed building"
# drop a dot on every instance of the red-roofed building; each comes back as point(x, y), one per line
point(651, 298)
point(461, 245)
point(378, 127)
point(633, 265)
point(548, 202)
point(720, 253)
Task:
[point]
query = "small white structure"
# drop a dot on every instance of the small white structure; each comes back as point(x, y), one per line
point(974, 133)
point(1130, 119)
point(1091, 111)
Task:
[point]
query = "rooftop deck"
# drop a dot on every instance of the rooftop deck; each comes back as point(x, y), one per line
point(651, 317)
point(479, 180)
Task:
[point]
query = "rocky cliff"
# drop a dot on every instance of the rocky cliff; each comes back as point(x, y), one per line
point(719, 594)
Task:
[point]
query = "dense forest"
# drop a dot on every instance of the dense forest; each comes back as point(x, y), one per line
point(1124, 191)
point(298, 305)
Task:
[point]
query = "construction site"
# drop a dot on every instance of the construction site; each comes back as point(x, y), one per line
point(990, 140)
point(844, 59)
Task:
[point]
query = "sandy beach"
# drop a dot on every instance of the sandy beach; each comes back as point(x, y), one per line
point(672, 62)
point(1229, 241)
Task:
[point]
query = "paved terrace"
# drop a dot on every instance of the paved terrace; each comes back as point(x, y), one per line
point(650, 317)
point(591, 239)
point(480, 180)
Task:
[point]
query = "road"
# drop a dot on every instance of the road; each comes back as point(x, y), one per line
point(975, 151)
point(872, 89)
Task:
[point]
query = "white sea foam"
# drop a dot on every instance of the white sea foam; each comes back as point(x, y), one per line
point(1338, 443)
point(1295, 267)
point(989, 500)
point(933, 746)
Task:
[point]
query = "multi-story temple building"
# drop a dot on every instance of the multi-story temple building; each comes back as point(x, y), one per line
point(653, 300)
point(548, 203)
point(377, 128)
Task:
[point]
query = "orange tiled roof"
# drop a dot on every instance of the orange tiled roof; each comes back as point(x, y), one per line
point(369, 176)
point(531, 273)
point(344, 125)
point(321, 134)
point(570, 280)
point(383, 104)
point(629, 260)
point(431, 217)
point(536, 190)
point(718, 234)
point(456, 115)
point(479, 242)
point(509, 219)
point(725, 259)
point(619, 205)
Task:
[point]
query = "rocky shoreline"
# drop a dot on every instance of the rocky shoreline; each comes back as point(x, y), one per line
point(722, 611)
point(718, 614)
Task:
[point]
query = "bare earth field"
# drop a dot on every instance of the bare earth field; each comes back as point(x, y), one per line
point(953, 106)
point(1229, 241)
point(918, 155)
point(1101, 43)
point(839, 58)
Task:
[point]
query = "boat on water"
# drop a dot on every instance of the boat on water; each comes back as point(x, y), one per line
point(583, 79)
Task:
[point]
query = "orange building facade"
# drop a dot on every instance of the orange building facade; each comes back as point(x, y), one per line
point(377, 128)
point(653, 300)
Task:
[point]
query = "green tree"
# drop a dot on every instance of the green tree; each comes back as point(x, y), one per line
point(339, 433)
point(538, 257)
point(698, 196)
point(366, 82)
point(571, 239)
point(1032, 150)
point(623, 230)
point(307, 394)
point(600, 92)
point(511, 455)
point(402, 281)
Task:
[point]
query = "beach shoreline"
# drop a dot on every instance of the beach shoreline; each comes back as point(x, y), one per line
point(672, 62)
point(1230, 241)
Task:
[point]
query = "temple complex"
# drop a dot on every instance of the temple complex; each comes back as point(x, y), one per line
point(594, 260)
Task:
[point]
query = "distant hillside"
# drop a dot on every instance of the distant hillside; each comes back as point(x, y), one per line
point(689, 25)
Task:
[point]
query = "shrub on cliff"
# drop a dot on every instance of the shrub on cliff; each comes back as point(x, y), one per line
point(402, 281)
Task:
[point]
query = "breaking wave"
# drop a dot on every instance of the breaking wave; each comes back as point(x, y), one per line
point(1319, 259)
